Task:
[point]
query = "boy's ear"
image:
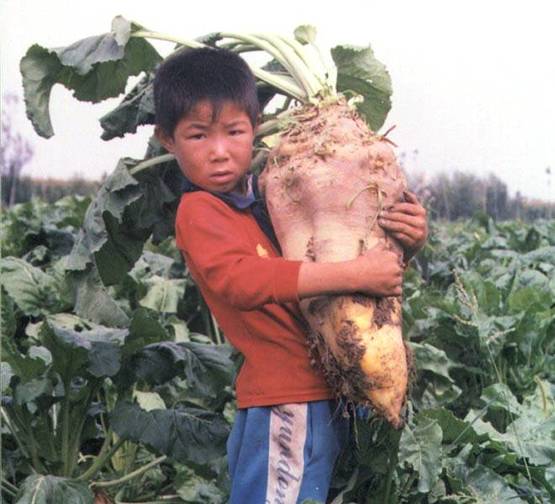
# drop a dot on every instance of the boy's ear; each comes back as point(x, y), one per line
point(164, 139)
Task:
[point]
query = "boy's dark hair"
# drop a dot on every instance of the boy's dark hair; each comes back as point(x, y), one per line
point(193, 75)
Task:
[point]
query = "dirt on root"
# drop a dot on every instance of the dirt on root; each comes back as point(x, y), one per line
point(310, 254)
point(363, 300)
point(346, 379)
point(318, 306)
point(383, 311)
point(384, 308)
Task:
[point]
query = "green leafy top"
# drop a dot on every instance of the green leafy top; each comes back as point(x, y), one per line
point(95, 68)
point(98, 67)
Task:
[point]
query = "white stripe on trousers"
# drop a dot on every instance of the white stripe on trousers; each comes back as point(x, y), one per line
point(286, 453)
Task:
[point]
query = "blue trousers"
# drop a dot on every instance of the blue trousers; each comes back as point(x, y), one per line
point(285, 454)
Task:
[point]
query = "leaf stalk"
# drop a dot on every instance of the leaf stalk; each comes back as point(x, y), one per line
point(286, 85)
point(144, 165)
point(130, 476)
point(13, 430)
point(105, 454)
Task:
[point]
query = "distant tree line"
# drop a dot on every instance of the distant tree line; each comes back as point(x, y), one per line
point(446, 196)
point(15, 153)
point(460, 195)
point(22, 189)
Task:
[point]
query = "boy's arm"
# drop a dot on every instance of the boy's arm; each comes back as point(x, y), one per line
point(376, 273)
point(407, 223)
point(213, 243)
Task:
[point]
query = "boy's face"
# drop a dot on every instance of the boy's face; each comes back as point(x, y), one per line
point(213, 154)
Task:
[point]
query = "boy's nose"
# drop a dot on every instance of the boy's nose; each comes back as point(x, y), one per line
point(219, 150)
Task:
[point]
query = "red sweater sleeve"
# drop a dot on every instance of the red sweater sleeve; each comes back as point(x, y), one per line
point(209, 234)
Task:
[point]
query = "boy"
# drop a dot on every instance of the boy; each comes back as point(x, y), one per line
point(286, 437)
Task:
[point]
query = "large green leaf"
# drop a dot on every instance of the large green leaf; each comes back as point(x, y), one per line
point(95, 68)
point(124, 213)
point(156, 363)
point(33, 290)
point(487, 487)
point(531, 431)
point(97, 351)
point(41, 489)
point(137, 108)
point(94, 302)
point(530, 297)
point(206, 367)
point(420, 447)
point(432, 359)
point(185, 434)
point(435, 387)
point(119, 191)
point(25, 366)
point(532, 434)
point(163, 294)
point(454, 430)
point(122, 216)
point(145, 329)
point(532, 437)
point(194, 489)
point(500, 396)
point(359, 72)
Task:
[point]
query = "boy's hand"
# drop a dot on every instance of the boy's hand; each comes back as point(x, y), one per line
point(379, 272)
point(407, 223)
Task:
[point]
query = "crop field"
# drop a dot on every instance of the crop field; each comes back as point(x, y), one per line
point(119, 385)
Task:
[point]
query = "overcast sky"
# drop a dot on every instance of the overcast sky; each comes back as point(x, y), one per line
point(473, 80)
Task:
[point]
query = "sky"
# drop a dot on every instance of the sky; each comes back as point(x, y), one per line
point(473, 80)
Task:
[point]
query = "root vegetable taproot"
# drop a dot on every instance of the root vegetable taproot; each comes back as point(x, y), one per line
point(325, 183)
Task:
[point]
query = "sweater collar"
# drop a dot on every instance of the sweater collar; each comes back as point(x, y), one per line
point(235, 199)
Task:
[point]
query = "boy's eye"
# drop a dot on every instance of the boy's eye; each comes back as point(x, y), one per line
point(197, 136)
point(235, 132)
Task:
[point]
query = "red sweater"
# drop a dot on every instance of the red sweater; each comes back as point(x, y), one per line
point(252, 292)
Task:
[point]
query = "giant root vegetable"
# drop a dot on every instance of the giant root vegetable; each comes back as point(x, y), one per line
point(325, 183)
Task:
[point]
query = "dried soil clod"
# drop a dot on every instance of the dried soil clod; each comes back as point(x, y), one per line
point(383, 313)
point(310, 254)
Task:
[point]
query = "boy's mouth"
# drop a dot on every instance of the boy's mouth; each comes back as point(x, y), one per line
point(222, 177)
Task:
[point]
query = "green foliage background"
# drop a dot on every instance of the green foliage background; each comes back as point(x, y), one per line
point(120, 389)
